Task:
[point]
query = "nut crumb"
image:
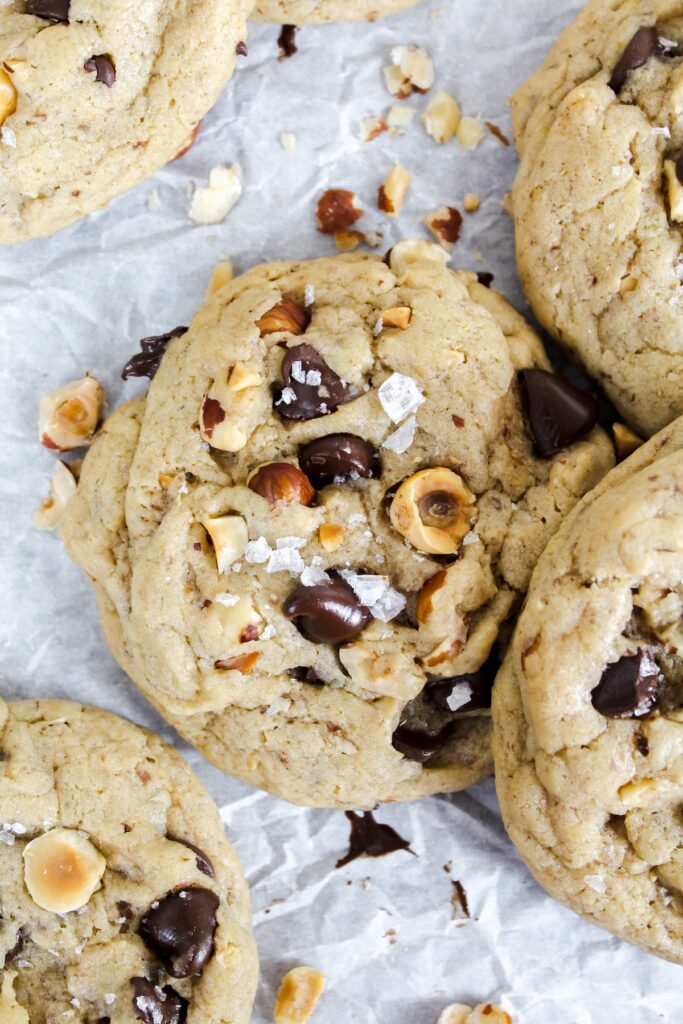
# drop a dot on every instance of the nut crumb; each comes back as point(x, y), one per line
point(411, 70)
point(222, 275)
point(472, 202)
point(484, 1013)
point(288, 141)
point(469, 132)
point(445, 224)
point(442, 117)
point(391, 195)
point(337, 210)
point(298, 995)
point(62, 489)
point(212, 204)
point(371, 127)
point(69, 415)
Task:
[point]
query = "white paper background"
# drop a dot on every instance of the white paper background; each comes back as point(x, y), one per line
point(82, 299)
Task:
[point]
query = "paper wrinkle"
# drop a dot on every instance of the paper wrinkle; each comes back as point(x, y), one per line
point(82, 299)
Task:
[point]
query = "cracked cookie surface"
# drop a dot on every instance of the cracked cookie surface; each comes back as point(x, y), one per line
point(307, 537)
point(598, 236)
point(588, 706)
point(104, 94)
point(122, 900)
point(311, 12)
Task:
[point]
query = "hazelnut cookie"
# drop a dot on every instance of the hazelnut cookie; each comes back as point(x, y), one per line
point(310, 12)
point(307, 537)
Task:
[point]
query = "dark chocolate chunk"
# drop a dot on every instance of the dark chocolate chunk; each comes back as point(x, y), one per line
point(104, 69)
point(642, 744)
point(155, 1005)
point(299, 400)
point(327, 613)
point(180, 930)
point(146, 362)
point(441, 691)
point(643, 46)
point(241, 49)
point(104, 1020)
point(125, 910)
point(52, 10)
point(337, 457)
point(286, 41)
point(558, 414)
point(203, 862)
point(628, 687)
point(306, 674)
point(419, 745)
point(485, 278)
point(369, 838)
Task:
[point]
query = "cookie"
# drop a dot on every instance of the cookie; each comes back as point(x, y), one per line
point(588, 719)
point(311, 12)
point(97, 96)
point(308, 536)
point(122, 900)
point(597, 201)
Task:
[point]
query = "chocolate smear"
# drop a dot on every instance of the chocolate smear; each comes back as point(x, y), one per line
point(461, 910)
point(146, 362)
point(628, 687)
point(370, 838)
point(286, 42)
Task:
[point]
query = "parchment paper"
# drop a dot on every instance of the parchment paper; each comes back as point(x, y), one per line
point(382, 930)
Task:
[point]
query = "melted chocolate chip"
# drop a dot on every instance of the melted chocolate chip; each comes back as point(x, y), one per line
point(327, 613)
point(146, 363)
point(480, 684)
point(628, 688)
point(337, 457)
point(369, 838)
point(203, 862)
point(155, 1005)
point(643, 46)
point(104, 1020)
point(558, 414)
point(52, 10)
point(419, 745)
point(642, 745)
point(306, 674)
point(104, 69)
point(485, 278)
point(180, 930)
point(286, 41)
point(299, 400)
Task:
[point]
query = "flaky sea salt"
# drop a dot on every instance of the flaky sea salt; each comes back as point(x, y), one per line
point(401, 439)
point(309, 295)
point(286, 560)
point(376, 594)
point(257, 551)
point(470, 538)
point(400, 396)
point(460, 695)
point(8, 136)
point(390, 604)
point(314, 379)
point(227, 599)
point(287, 396)
point(596, 883)
point(297, 371)
point(290, 542)
point(378, 328)
point(312, 575)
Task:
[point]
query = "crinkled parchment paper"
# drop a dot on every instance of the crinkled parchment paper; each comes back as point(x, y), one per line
point(382, 930)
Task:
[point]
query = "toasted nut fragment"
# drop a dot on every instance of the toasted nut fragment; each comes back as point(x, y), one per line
point(337, 209)
point(10, 1010)
point(625, 441)
point(347, 241)
point(470, 132)
point(371, 127)
point(8, 96)
point(62, 869)
point(433, 510)
point(330, 536)
point(441, 118)
point(415, 66)
point(638, 793)
point(62, 489)
point(424, 605)
point(243, 376)
point(472, 202)
point(397, 316)
point(288, 141)
point(675, 191)
point(241, 622)
point(399, 117)
point(218, 431)
point(298, 995)
point(485, 1013)
point(457, 1013)
point(212, 204)
point(382, 666)
point(189, 141)
point(281, 481)
point(229, 536)
point(69, 415)
point(392, 193)
point(445, 224)
point(396, 82)
point(243, 663)
point(222, 275)
point(285, 317)
point(414, 250)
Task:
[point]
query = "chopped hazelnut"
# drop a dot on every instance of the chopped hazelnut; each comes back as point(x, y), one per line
point(221, 433)
point(240, 622)
point(222, 275)
point(288, 141)
point(285, 317)
point(281, 481)
point(469, 132)
point(399, 117)
point(62, 489)
point(62, 869)
point(472, 202)
point(212, 204)
point(441, 118)
point(69, 415)
point(396, 82)
point(298, 995)
point(625, 441)
point(347, 241)
point(337, 209)
point(445, 224)
point(433, 510)
point(8, 96)
point(330, 536)
point(371, 127)
point(415, 67)
point(243, 663)
point(392, 193)
point(243, 376)
point(414, 250)
point(397, 316)
point(229, 536)
point(675, 191)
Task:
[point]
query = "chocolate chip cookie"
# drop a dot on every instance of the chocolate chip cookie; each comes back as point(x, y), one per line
point(588, 707)
point(307, 538)
point(122, 900)
point(310, 12)
point(95, 97)
point(598, 201)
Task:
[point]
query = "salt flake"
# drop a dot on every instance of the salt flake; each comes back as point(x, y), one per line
point(400, 396)
point(401, 439)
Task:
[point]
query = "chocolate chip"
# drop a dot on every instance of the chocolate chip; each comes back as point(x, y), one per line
point(180, 930)
point(628, 688)
point(52, 10)
point(146, 363)
point(155, 1005)
point(306, 674)
point(103, 65)
point(337, 457)
point(327, 613)
point(558, 414)
point(241, 49)
point(370, 838)
point(301, 400)
point(124, 908)
point(485, 278)
point(642, 744)
point(419, 745)
point(643, 46)
point(480, 683)
point(287, 41)
point(104, 1020)
point(203, 862)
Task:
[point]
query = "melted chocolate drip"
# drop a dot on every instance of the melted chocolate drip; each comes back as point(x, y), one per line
point(370, 838)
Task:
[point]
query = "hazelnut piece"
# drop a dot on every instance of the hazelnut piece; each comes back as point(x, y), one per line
point(281, 481)
point(285, 317)
point(392, 193)
point(674, 189)
point(243, 376)
point(243, 663)
point(241, 622)
point(445, 224)
point(222, 275)
point(218, 431)
point(330, 536)
point(441, 118)
point(625, 441)
point(62, 489)
point(337, 210)
point(397, 316)
point(433, 510)
point(485, 1013)
point(414, 250)
point(62, 869)
point(298, 995)
point(8, 96)
point(69, 415)
point(229, 536)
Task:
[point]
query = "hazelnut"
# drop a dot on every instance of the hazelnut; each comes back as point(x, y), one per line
point(433, 510)
point(472, 202)
point(337, 210)
point(372, 127)
point(457, 1013)
point(212, 204)
point(445, 224)
point(285, 317)
point(392, 193)
point(222, 275)
point(62, 869)
point(62, 489)
point(243, 376)
point(441, 118)
point(469, 132)
point(397, 316)
point(413, 250)
point(415, 68)
point(69, 415)
point(330, 536)
point(8, 96)
point(243, 663)
point(396, 82)
point(240, 622)
point(625, 441)
point(424, 606)
point(288, 141)
point(485, 1013)
point(675, 190)
point(399, 117)
point(298, 995)
point(347, 241)
point(281, 481)
point(229, 537)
